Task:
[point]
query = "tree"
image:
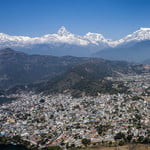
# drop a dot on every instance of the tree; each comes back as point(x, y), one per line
point(119, 136)
point(140, 139)
point(3, 140)
point(129, 137)
point(146, 140)
point(121, 143)
point(52, 148)
point(86, 141)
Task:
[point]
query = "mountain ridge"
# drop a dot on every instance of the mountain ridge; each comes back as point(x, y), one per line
point(86, 78)
point(21, 72)
point(20, 68)
point(137, 52)
point(66, 43)
point(64, 36)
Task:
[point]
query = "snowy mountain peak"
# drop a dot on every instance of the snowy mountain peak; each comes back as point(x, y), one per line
point(95, 38)
point(63, 31)
point(139, 35)
point(63, 36)
point(3, 36)
point(144, 29)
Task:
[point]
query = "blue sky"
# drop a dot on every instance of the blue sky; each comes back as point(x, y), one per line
point(112, 18)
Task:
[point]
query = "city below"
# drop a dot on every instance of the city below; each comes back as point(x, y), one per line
point(60, 121)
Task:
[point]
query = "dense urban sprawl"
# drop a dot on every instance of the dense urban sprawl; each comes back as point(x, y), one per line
point(62, 120)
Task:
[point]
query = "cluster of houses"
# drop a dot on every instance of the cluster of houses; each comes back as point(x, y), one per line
point(46, 120)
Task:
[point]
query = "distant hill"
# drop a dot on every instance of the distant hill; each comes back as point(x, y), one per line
point(49, 74)
point(20, 68)
point(88, 77)
point(147, 61)
point(138, 52)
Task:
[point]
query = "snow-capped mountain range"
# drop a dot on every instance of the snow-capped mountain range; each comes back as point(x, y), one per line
point(139, 35)
point(64, 36)
point(68, 42)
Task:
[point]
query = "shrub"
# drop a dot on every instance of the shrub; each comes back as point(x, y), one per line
point(121, 143)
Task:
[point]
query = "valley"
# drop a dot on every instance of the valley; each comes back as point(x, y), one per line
point(41, 118)
point(74, 74)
